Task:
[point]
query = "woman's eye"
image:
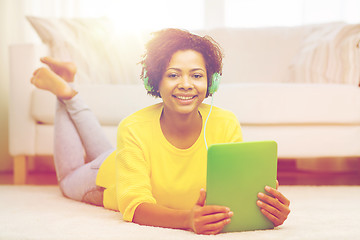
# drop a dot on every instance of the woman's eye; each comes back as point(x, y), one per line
point(197, 76)
point(172, 75)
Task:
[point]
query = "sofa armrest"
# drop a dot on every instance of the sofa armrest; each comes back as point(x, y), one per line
point(24, 59)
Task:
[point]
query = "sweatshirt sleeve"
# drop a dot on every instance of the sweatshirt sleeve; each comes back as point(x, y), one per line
point(133, 185)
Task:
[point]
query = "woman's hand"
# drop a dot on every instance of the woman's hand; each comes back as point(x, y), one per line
point(209, 219)
point(275, 207)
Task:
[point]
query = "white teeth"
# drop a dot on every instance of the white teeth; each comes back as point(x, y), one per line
point(184, 98)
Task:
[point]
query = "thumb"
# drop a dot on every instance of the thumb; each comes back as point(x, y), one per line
point(202, 198)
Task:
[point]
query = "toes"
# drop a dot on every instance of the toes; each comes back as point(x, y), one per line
point(39, 70)
point(52, 62)
point(65, 70)
point(36, 71)
point(47, 60)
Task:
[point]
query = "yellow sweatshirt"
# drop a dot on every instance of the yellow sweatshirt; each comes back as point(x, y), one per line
point(146, 168)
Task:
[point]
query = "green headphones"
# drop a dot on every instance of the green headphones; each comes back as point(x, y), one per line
point(215, 82)
point(147, 85)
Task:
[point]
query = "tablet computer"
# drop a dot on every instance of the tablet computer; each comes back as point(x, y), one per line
point(236, 173)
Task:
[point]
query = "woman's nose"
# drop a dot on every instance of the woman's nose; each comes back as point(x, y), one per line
point(186, 82)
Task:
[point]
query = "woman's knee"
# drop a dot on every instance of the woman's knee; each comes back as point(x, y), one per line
point(94, 196)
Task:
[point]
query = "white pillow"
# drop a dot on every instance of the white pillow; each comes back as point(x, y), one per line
point(100, 55)
point(330, 53)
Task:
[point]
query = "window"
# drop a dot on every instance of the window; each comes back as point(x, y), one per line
point(147, 14)
point(263, 13)
point(152, 15)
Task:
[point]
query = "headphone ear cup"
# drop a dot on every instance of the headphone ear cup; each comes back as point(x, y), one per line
point(147, 85)
point(215, 82)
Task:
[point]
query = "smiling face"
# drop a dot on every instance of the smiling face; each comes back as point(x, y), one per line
point(184, 84)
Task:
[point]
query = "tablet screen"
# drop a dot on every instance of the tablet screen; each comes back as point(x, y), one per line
point(236, 173)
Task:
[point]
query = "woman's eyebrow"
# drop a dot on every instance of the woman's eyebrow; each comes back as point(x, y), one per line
point(191, 70)
point(172, 68)
point(198, 69)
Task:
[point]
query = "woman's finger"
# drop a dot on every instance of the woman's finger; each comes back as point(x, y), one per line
point(213, 218)
point(278, 195)
point(276, 221)
point(273, 203)
point(202, 198)
point(273, 214)
point(216, 226)
point(273, 210)
point(213, 209)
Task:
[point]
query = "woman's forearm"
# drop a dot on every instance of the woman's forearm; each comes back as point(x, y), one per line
point(155, 215)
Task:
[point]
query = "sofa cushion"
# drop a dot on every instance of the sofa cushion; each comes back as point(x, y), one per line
point(308, 141)
point(252, 103)
point(329, 54)
point(311, 53)
point(44, 144)
point(257, 54)
point(110, 103)
point(286, 103)
point(101, 55)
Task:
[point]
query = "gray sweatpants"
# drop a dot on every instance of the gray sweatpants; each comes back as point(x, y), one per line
point(78, 136)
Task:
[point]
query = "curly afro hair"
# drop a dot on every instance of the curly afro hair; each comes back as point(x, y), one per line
point(165, 43)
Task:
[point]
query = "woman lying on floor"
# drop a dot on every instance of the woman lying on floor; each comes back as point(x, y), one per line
point(157, 174)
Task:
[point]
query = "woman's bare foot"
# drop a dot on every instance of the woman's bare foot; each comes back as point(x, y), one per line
point(65, 70)
point(46, 79)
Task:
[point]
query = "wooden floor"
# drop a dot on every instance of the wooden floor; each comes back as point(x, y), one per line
point(285, 178)
point(34, 178)
point(311, 178)
point(287, 175)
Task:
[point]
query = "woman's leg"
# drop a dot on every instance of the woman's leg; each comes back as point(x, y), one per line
point(68, 149)
point(92, 135)
point(77, 179)
point(97, 148)
point(89, 129)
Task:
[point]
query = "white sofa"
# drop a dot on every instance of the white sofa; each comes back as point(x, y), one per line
point(264, 84)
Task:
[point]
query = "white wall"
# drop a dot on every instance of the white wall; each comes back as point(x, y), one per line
point(7, 22)
point(13, 29)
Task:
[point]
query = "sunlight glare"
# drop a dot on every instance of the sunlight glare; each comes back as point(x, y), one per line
point(144, 15)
